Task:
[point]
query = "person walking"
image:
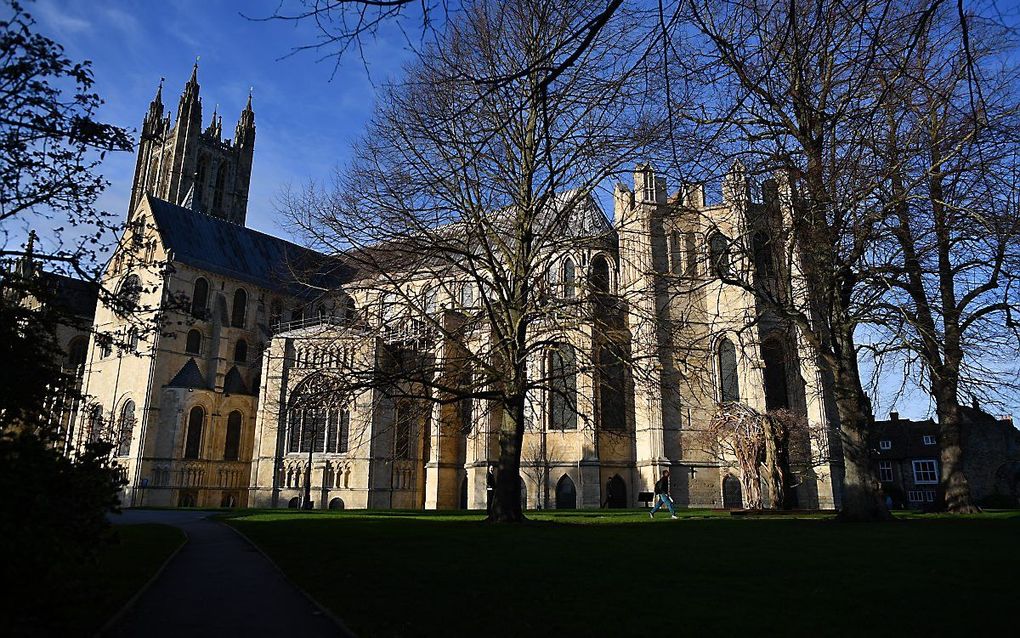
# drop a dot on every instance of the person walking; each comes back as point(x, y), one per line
point(662, 496)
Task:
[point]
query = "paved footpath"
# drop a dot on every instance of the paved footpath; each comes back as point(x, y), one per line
point(218, 585)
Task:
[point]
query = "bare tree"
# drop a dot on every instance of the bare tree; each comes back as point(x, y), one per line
point(951, 146)
point(470, 218)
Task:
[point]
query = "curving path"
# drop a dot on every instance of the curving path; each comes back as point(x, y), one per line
point(218, 584)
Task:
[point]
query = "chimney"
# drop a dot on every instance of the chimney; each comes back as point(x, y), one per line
point(894, 416)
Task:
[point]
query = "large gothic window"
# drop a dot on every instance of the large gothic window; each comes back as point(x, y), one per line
point(729, 385)
point(193, 442)
point(773, 354)
point(232, 445)
point(719, 251)
point(317, 419)
point(612, 414)
point(126, 428)
point(562, 388)
point(200, 298)
point(240, 308)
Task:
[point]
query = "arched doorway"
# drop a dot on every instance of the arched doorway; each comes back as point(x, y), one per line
point(616, 493)
point(733, 497)
point(294, 503)
point(566, 494)
point(464, 494)
point(336, 504)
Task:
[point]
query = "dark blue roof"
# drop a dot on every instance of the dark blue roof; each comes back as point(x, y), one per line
point(216, 245)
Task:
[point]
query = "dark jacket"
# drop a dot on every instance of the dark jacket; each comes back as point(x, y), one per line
point(662, 485)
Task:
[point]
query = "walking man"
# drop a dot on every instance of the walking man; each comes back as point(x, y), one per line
point(662, 496)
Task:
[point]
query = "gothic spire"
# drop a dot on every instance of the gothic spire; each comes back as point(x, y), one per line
point(245, 131)
point(190, 103)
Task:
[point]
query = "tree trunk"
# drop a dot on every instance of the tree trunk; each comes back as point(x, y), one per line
point(953, 484)
point(506, 497)
point(861, 500)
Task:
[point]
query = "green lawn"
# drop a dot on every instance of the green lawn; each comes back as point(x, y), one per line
point(620, 574)
point(126, 564)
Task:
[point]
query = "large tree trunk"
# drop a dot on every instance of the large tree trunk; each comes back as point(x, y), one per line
point(954, 488)
point(861, 500)
point(506, 498)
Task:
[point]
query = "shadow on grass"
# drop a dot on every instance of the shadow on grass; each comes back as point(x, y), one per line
point(611, 572)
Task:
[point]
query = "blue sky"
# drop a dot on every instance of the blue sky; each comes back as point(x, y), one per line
point(306, 120)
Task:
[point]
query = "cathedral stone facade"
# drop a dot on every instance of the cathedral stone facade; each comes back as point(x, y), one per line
point(218, 406)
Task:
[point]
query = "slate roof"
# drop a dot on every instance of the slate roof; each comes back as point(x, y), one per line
point(216, 245)
point(188, 377)
point(74, 297)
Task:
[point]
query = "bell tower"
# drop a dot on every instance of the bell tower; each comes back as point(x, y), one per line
point(183, 164)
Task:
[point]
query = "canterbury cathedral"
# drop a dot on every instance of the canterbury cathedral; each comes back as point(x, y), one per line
point(216, 407)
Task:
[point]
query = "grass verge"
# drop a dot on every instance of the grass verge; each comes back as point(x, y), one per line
point(619, 574)
point(125, 566)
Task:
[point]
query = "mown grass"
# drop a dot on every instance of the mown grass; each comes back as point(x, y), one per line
point(125, 565)
point(617, 573)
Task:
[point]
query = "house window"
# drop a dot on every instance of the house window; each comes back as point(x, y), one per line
point(193, 345)
point(925, 472)
point(240, 308)
point(193, 441)
point(929, 439)
point(200, 298)
point(232, 446)
point(562, 388)
point(885, 473)
point(729, 384)
point(885, 444)
point(915, 496)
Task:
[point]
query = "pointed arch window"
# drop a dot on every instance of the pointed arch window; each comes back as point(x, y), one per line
point(241, 351)
point(612, 378)
point(201, 178)
point(126, 428)
point(562, 388)
point(691, 249)
point(676, 253)
point(719, 250)
point(200, 298)
point(764, 261)
point(402, 431)
point(729, 384)
point(317, 420)
point(566, 494)
point(232, 444)
point(240, 308)
point(568, 277)
point(221, 183)
point(193, 344)
point(193, 441)
point(599, 279)
point(129, 293)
